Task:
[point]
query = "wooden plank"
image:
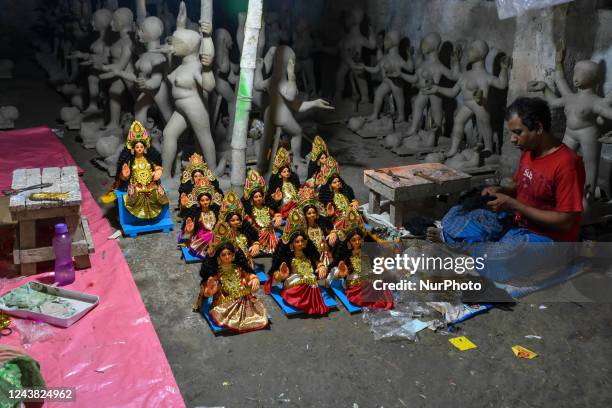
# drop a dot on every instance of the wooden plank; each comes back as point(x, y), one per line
point(44, 213)
point(70, 184)
point(87, 234)
point(47, 254)
point(33, 177)
point(17, 201)
point(27, 240)
point(374, 202)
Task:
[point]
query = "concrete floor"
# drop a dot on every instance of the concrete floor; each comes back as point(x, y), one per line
point(334, 361)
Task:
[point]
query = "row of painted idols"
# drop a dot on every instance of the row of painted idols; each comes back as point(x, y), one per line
point(312, 230)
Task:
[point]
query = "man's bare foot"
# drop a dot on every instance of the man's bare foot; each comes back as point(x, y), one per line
point(434, 234)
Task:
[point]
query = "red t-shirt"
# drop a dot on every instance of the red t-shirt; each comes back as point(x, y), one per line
point(553, 182)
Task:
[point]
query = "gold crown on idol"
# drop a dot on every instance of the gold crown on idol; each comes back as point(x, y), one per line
point(231, 203)
point(196, 162)
point(295, 223)
point(222, 234)
point(318, 147)
point(350, 222)
point(281, 160)
point(204, 188)
point(329, 168)
point(137, 134)
point(306, 197)
point(254, 181)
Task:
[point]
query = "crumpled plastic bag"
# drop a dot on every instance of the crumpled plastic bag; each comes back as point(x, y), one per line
point(512, 8)
point(32, 331)
point(404, 321)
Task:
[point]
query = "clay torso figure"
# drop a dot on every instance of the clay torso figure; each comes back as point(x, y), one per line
point(582, 109)
point(474, 85)
point(391, 66)
point(284, 101)
point(223, 70)
point(187, 83)
point(99, 55)
point(429, 72)
point(303, 46)
point(121, 53)
point(296, 264)
point(140, 170)
point(350, 49)
point(231, 282)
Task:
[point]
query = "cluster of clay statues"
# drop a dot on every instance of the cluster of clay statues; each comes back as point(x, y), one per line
point(312, 230)
point(188, 85)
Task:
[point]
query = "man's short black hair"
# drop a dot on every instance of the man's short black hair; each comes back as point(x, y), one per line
point(531, 111)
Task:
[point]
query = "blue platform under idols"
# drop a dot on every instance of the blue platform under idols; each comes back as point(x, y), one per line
point(338, 288)
point(133, 226)
point(289, 310)
point(188, 256)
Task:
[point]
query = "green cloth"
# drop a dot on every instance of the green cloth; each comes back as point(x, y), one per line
point(18, 373)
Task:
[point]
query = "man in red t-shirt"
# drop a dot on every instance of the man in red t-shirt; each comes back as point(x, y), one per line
point(547, 192)
point(545, 197)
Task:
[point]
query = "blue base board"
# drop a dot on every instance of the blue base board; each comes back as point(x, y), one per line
point(292, 311)
point(133, 226)
point(338, 289)
point(188, 257)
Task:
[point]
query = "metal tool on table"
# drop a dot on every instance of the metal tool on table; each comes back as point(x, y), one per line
point(427, 177)
point(393, 176)
point(11, 191)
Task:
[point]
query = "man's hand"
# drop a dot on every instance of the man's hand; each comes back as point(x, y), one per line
point(432, 90)
point(321, 104)
point(491, 190)
point(502, 202)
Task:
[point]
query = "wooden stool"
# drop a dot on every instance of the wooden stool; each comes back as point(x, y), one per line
point(26, 212)
point(409, 186)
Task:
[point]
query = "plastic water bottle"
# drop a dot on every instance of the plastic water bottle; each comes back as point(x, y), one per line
point(62, 246)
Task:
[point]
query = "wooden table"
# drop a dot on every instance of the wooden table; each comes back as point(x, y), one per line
point(27, 212)
point(411, 187)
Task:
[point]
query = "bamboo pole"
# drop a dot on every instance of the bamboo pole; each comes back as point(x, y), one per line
point(248, 63)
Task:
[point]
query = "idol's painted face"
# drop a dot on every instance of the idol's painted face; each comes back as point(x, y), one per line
point(258, 198)
point(226, 257)
point(285, 173)
point(299, 243)
point(235, 222)
point(197, 178)
point(311, 215)
point(139, 149)
point(336, 184)
point(356, 241)
point(204, 201)
point(322, 159)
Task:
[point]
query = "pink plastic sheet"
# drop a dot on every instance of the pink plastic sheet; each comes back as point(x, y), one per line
point(112, 356)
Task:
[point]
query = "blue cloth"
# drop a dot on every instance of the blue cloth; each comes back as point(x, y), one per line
point(510, 252)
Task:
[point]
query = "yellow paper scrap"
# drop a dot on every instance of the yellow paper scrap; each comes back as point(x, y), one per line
point(522, 352)
point(462, 343)
point(108, 197)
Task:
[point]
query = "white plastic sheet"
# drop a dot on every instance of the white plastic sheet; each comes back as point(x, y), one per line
point(512, 8)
